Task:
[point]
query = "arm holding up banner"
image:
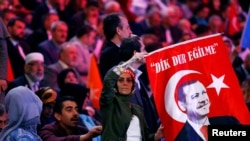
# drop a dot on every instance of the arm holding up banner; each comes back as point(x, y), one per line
point(135, 62)
point(118, 87)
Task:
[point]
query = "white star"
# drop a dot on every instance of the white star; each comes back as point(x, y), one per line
point(218, 83)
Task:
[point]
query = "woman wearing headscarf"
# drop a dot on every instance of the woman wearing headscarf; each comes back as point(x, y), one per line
point(24, 109)
point(121, 119)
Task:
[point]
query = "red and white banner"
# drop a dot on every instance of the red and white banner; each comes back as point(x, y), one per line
point(204, 59)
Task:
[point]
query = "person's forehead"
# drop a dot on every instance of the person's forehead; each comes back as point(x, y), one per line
point(69, 104)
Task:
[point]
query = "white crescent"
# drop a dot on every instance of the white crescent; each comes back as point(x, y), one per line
point(171, 106)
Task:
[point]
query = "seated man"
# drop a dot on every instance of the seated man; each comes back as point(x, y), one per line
point(33, 73)
point(66, 127)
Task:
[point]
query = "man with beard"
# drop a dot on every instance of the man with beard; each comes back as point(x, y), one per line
point(33, 73)
point(66, 127)
point(68, 58)
point(18, 48)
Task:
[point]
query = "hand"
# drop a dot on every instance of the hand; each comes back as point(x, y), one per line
point(95, 131)
point(3, 85)
point(159, 133)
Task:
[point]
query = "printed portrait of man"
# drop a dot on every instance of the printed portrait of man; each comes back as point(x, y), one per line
point(194, 100)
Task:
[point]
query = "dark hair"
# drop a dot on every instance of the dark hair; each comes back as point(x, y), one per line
point(2, 109)
point(92, 3)
point(59, 103)
point(110, 23)
point(201, 29)
point(47, 16)
point(181, 94)
point(128, 46)
point(13, 21)
point(86, 29)
point(6, 11)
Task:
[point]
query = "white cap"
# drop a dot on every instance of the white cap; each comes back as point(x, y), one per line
point(34, 56)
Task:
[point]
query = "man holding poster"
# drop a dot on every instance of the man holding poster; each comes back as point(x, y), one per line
point(205, 60)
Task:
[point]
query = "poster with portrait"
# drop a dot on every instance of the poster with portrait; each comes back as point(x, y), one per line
point(205, 63)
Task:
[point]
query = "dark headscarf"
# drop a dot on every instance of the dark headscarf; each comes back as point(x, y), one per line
point(62, 75)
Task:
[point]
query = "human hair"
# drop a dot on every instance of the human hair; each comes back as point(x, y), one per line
point(92, 3)
point(109, 4)
point(64, 46)
point(86, 29)
point(181, 93)
point(2, 109)
point(47, 16)
point(12, 21)
point(110, 23)
point(56, 23)
point(59, 103)
point(128, 46)
point(7, 11)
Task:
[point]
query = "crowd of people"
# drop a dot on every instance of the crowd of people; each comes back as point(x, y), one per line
point(45, 51)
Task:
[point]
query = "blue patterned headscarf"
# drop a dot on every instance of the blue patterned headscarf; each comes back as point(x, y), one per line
point(24, 109)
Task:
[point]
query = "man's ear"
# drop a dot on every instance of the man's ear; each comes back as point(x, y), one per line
point(182, 105)
point(118, 30)
point(26, 67)
point(57, 116)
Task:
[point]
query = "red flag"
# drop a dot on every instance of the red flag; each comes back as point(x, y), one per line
point(204, 59)
point(94, 82)
point(233, 25)
point(10, 75)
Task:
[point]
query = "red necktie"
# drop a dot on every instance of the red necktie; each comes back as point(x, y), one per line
point(204, 131)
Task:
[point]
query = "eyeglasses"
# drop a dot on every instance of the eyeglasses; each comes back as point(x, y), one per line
point(128, 80)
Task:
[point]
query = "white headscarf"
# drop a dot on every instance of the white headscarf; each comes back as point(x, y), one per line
point(22, 105)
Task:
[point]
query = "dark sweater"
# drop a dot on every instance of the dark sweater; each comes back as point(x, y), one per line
point(55, 132)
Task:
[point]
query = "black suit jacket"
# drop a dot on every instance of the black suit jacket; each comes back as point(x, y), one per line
point(240, 73)
point(141, 98)
point(50, 52)
point(36, 38)
point(21, 81)
point(16, 60)
point(109, 57)
point(187, 133)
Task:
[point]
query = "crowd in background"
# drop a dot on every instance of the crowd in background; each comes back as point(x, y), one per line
point(50, 43)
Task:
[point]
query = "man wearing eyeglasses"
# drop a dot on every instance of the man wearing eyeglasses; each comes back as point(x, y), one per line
point(33, 73)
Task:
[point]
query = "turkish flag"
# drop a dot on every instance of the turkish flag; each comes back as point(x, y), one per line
point(204, 59)
point(233, 25)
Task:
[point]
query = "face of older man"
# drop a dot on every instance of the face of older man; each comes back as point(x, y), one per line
point(197, 100)
point(35, 69)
